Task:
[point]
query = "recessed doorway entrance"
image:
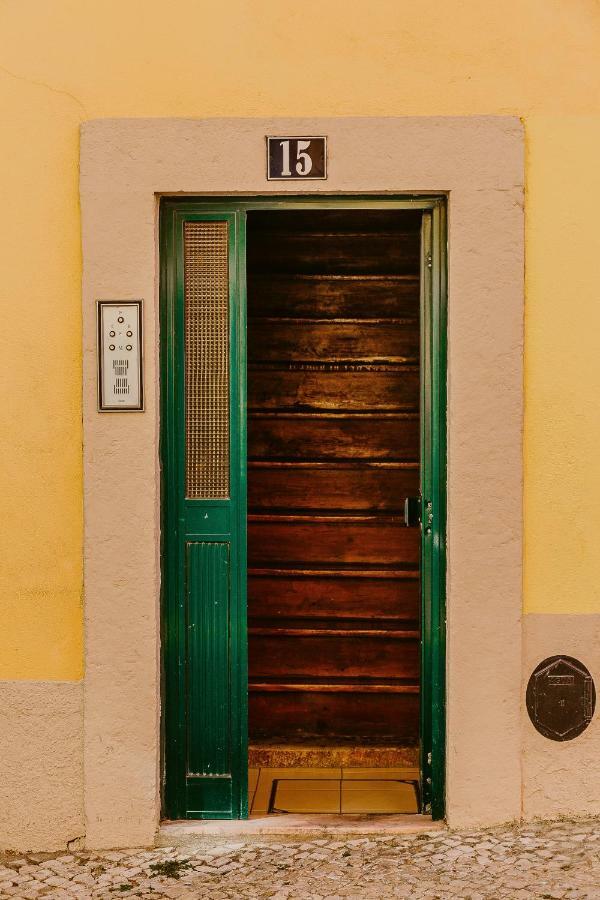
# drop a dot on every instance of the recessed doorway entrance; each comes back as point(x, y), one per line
point(333, 450)
point(303, 422)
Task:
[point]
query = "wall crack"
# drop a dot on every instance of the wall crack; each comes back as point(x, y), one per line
point(48, 87)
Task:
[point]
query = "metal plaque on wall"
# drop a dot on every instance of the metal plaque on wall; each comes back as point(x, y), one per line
point(296, 158)
point(561, 698)
point(120, 370)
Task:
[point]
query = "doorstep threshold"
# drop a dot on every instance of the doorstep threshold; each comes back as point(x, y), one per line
point(173, 833)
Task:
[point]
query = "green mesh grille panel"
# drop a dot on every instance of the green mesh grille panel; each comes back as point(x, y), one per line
point(206, 360)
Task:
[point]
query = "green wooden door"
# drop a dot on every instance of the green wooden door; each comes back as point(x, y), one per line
point(204, 514)
point(203, 452)
point(433, 509)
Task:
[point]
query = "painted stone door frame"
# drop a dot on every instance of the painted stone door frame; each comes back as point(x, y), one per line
point(477, 162)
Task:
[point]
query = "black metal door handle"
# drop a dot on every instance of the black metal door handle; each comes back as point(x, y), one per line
point(412, 511)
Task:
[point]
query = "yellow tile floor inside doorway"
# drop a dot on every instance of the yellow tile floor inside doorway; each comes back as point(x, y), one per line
point(349, 791)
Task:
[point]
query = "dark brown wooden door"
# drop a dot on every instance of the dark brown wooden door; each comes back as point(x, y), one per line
point(333, 449)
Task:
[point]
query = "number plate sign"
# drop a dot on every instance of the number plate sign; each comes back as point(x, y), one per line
point(299, 158)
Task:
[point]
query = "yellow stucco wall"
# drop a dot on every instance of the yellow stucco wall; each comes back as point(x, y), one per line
point(65, 61)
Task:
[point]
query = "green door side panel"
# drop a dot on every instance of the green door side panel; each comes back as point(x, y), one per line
point(203, 542)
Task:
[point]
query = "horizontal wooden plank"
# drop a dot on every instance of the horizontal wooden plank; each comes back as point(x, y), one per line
point(336, 571)
point(297, 339)
point(351, 686)
point(273, 596)
point(375, 542)
point(335, 389)
point(361, 487)
point(298, 436)
point(333, 252)
point(328, 656)
point(309, 517)
point(367, 221)
point(334, 626)
point(330, 296)
point(329, 629)
point(390, 716)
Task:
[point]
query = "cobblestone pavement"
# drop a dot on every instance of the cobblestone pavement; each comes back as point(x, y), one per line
point(534, 861)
